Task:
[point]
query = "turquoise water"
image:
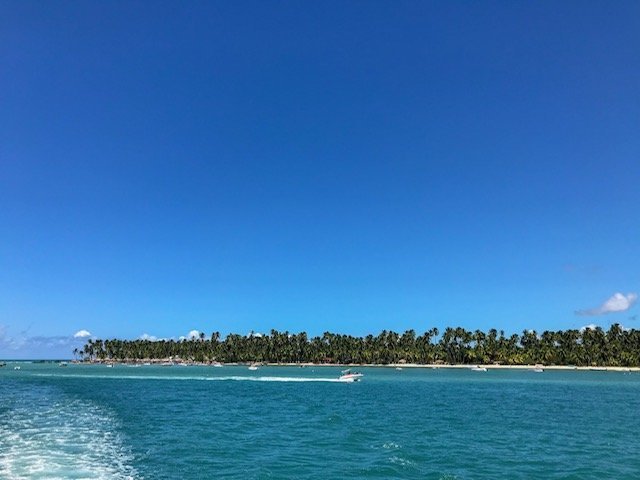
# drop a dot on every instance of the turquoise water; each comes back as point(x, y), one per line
point(94, 422)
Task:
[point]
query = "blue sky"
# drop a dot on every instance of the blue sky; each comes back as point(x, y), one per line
point(342, 166)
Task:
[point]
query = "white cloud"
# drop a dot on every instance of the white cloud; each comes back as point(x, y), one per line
point(146, 336)
point(591, 326)
point(82, 334)
point(10, 342)
point(618, 302)
point(38, 346)
point(192, 335)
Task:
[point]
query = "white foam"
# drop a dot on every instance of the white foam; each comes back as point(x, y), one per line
point(277, 379)
point(199, 378)
point(47, 435)
point(402, 461)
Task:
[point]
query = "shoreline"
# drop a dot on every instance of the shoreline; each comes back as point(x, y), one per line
point(169, 363)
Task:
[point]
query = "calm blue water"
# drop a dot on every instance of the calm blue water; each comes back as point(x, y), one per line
point(95, 422)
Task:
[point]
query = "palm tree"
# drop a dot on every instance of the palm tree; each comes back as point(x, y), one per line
point(457, 345)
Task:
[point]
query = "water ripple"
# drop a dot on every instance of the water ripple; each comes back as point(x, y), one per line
point(44, 434)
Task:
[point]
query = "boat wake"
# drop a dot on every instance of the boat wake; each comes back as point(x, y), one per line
point(45, 434)
point(278, 379)
point(236, 378)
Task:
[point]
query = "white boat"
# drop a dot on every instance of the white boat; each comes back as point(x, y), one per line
point(476, 368)
point(253, 367)
point(216, 364)
point(349, 376)
point(63, 364)
point(398, 368)
point(538, 368)
point(16, 368)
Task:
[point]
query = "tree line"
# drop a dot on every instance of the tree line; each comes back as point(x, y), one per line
point(585, 347)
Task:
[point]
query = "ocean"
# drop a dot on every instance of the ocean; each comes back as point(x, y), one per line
point(154, 422)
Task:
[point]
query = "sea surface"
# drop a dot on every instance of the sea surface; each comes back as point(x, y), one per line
point(153, 422)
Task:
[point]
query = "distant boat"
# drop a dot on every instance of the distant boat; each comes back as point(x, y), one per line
point(476, 368)
point(254, 366)
point(398, 368)
point(538, 368)
point(16, 368)
point(349, 376)
point(216, 364)
point(63, 364)
point(109, 365)
point(3, 364)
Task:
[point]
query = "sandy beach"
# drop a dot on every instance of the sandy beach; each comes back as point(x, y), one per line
point(174, 362)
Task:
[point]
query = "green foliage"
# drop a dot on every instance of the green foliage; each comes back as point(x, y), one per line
point(588, 347)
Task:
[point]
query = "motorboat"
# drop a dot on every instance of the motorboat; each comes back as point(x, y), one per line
point(254, 366)
point(477, 368)
point(538, 368)
point(349, 376)
point(216, 364)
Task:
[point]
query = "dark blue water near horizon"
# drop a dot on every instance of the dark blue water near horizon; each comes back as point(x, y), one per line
point(151, 422)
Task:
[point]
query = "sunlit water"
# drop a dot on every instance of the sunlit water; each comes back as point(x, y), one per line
point(94, 422)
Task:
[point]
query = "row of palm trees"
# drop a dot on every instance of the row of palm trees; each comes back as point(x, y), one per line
point(585, 347)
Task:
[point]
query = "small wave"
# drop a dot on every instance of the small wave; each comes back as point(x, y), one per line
point(194, 378)
point(403, 462)
point(47, 435)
